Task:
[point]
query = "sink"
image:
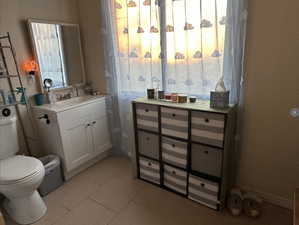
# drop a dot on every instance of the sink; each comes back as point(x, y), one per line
point(70, 103)
point(75, 100)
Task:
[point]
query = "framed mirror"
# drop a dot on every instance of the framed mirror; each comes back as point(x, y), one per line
point(58, 52)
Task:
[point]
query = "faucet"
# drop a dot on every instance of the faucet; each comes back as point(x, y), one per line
point(61, 97)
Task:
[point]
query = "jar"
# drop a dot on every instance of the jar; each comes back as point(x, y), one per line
point(182, 98)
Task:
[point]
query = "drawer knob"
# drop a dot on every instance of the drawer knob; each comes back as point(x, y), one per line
point(202, 184)
point(173, 145)
point(147, 138)
point(206, 152)
point(173, 172)
point(149, 164)
point(146, 110)
point(173, 115)
point(207, 120)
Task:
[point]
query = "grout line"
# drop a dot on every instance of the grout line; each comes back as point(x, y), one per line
point(99, 203)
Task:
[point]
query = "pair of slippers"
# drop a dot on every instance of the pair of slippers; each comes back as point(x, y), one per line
point(249, 203)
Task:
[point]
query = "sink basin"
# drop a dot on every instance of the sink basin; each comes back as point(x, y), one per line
point(75, 100)
point(70, 103)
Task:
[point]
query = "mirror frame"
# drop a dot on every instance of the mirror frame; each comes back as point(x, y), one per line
point(29, 21)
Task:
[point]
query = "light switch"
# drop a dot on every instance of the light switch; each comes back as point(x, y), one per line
point(294, 112)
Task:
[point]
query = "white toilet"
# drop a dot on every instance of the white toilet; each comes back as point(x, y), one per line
point(20, 176)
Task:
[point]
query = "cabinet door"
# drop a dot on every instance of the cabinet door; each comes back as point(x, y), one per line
point(101, 135)
point(77, 141)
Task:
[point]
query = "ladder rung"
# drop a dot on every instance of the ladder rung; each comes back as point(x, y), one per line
point(5, 47)
point(3, 37)
point(7, 76)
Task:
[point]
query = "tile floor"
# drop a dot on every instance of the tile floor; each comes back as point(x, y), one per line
point(106, 194)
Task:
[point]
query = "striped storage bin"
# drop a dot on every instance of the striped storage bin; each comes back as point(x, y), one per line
point(175, 179)
point(147, 117)
point(206, 160)
point(148, 144)
point(174, 122)
point(174, 152)
point(203, 191)
point(208, 128)
point(149, 170)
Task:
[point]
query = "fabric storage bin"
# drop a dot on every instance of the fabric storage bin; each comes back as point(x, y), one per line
point(174, 122)
point(147, 117)
point(175, 179)
point(149, 170)
point(206, 160)
point(207, 128)
point(174, 152)
point(203, 191)
point(148, 144)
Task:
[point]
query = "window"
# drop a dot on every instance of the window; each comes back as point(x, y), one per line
point(174, 44)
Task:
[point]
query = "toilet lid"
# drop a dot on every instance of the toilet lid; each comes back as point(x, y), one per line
point(18, 167)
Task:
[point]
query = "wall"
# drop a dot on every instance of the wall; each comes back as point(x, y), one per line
point(13, 16)
point(270, 147)
point(90, 23)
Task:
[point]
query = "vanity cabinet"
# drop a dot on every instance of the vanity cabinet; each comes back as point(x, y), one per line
point(185, 148)
point(79, 134)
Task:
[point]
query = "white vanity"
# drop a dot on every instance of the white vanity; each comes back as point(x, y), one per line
point(76, 130)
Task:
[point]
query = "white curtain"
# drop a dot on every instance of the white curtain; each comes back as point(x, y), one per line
point(182, 46)
point(49, 52)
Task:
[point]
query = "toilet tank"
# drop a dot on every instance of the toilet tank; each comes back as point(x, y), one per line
point(9, 143)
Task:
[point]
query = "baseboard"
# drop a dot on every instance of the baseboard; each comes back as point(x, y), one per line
point(270, 198)
point(105, 154)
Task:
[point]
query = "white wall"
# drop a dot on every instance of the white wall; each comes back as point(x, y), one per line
point(270, 149)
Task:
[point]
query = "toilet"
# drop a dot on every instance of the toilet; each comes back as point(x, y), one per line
point(20, 176)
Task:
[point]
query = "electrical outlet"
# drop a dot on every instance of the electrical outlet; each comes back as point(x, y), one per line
point(294, 112)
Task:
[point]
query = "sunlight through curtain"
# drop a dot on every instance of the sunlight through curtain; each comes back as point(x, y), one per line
point(195, 33)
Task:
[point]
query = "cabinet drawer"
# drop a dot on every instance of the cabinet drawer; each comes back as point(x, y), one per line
point(148, 144)
point(208, 128)
point(175, 179)
point(206, 159)
point(203, 191)
point(174, 152)
point(174, 122)
point(147, 117)
point(149, 170)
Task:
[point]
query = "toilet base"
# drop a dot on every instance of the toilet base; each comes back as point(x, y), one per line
point(26, 210)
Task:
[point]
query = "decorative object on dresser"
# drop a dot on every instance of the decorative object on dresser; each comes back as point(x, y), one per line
point(220, 97)
point(185, 148)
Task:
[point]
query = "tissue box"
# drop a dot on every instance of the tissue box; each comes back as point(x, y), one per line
point(219, 99)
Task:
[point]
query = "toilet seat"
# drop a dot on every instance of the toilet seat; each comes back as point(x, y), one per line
point(18, 169)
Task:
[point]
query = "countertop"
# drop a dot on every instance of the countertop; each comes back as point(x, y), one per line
point(70, 103)
point(296, 207)
point(199, 105)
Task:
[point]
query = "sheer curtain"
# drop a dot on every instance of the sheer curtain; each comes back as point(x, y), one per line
point(182, 46)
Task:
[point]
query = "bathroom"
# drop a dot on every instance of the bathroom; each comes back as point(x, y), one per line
point(90, 124)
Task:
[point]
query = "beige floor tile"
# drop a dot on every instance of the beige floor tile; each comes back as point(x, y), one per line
point(106, 193)
point(117, 193)
point(74, 192)
point(55, 207)
point(87, 213)
point(137, 215)
point(110, 168)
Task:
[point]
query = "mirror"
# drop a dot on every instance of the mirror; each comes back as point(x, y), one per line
point(58, 52)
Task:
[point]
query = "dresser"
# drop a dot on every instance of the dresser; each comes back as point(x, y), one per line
point(185, 148)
